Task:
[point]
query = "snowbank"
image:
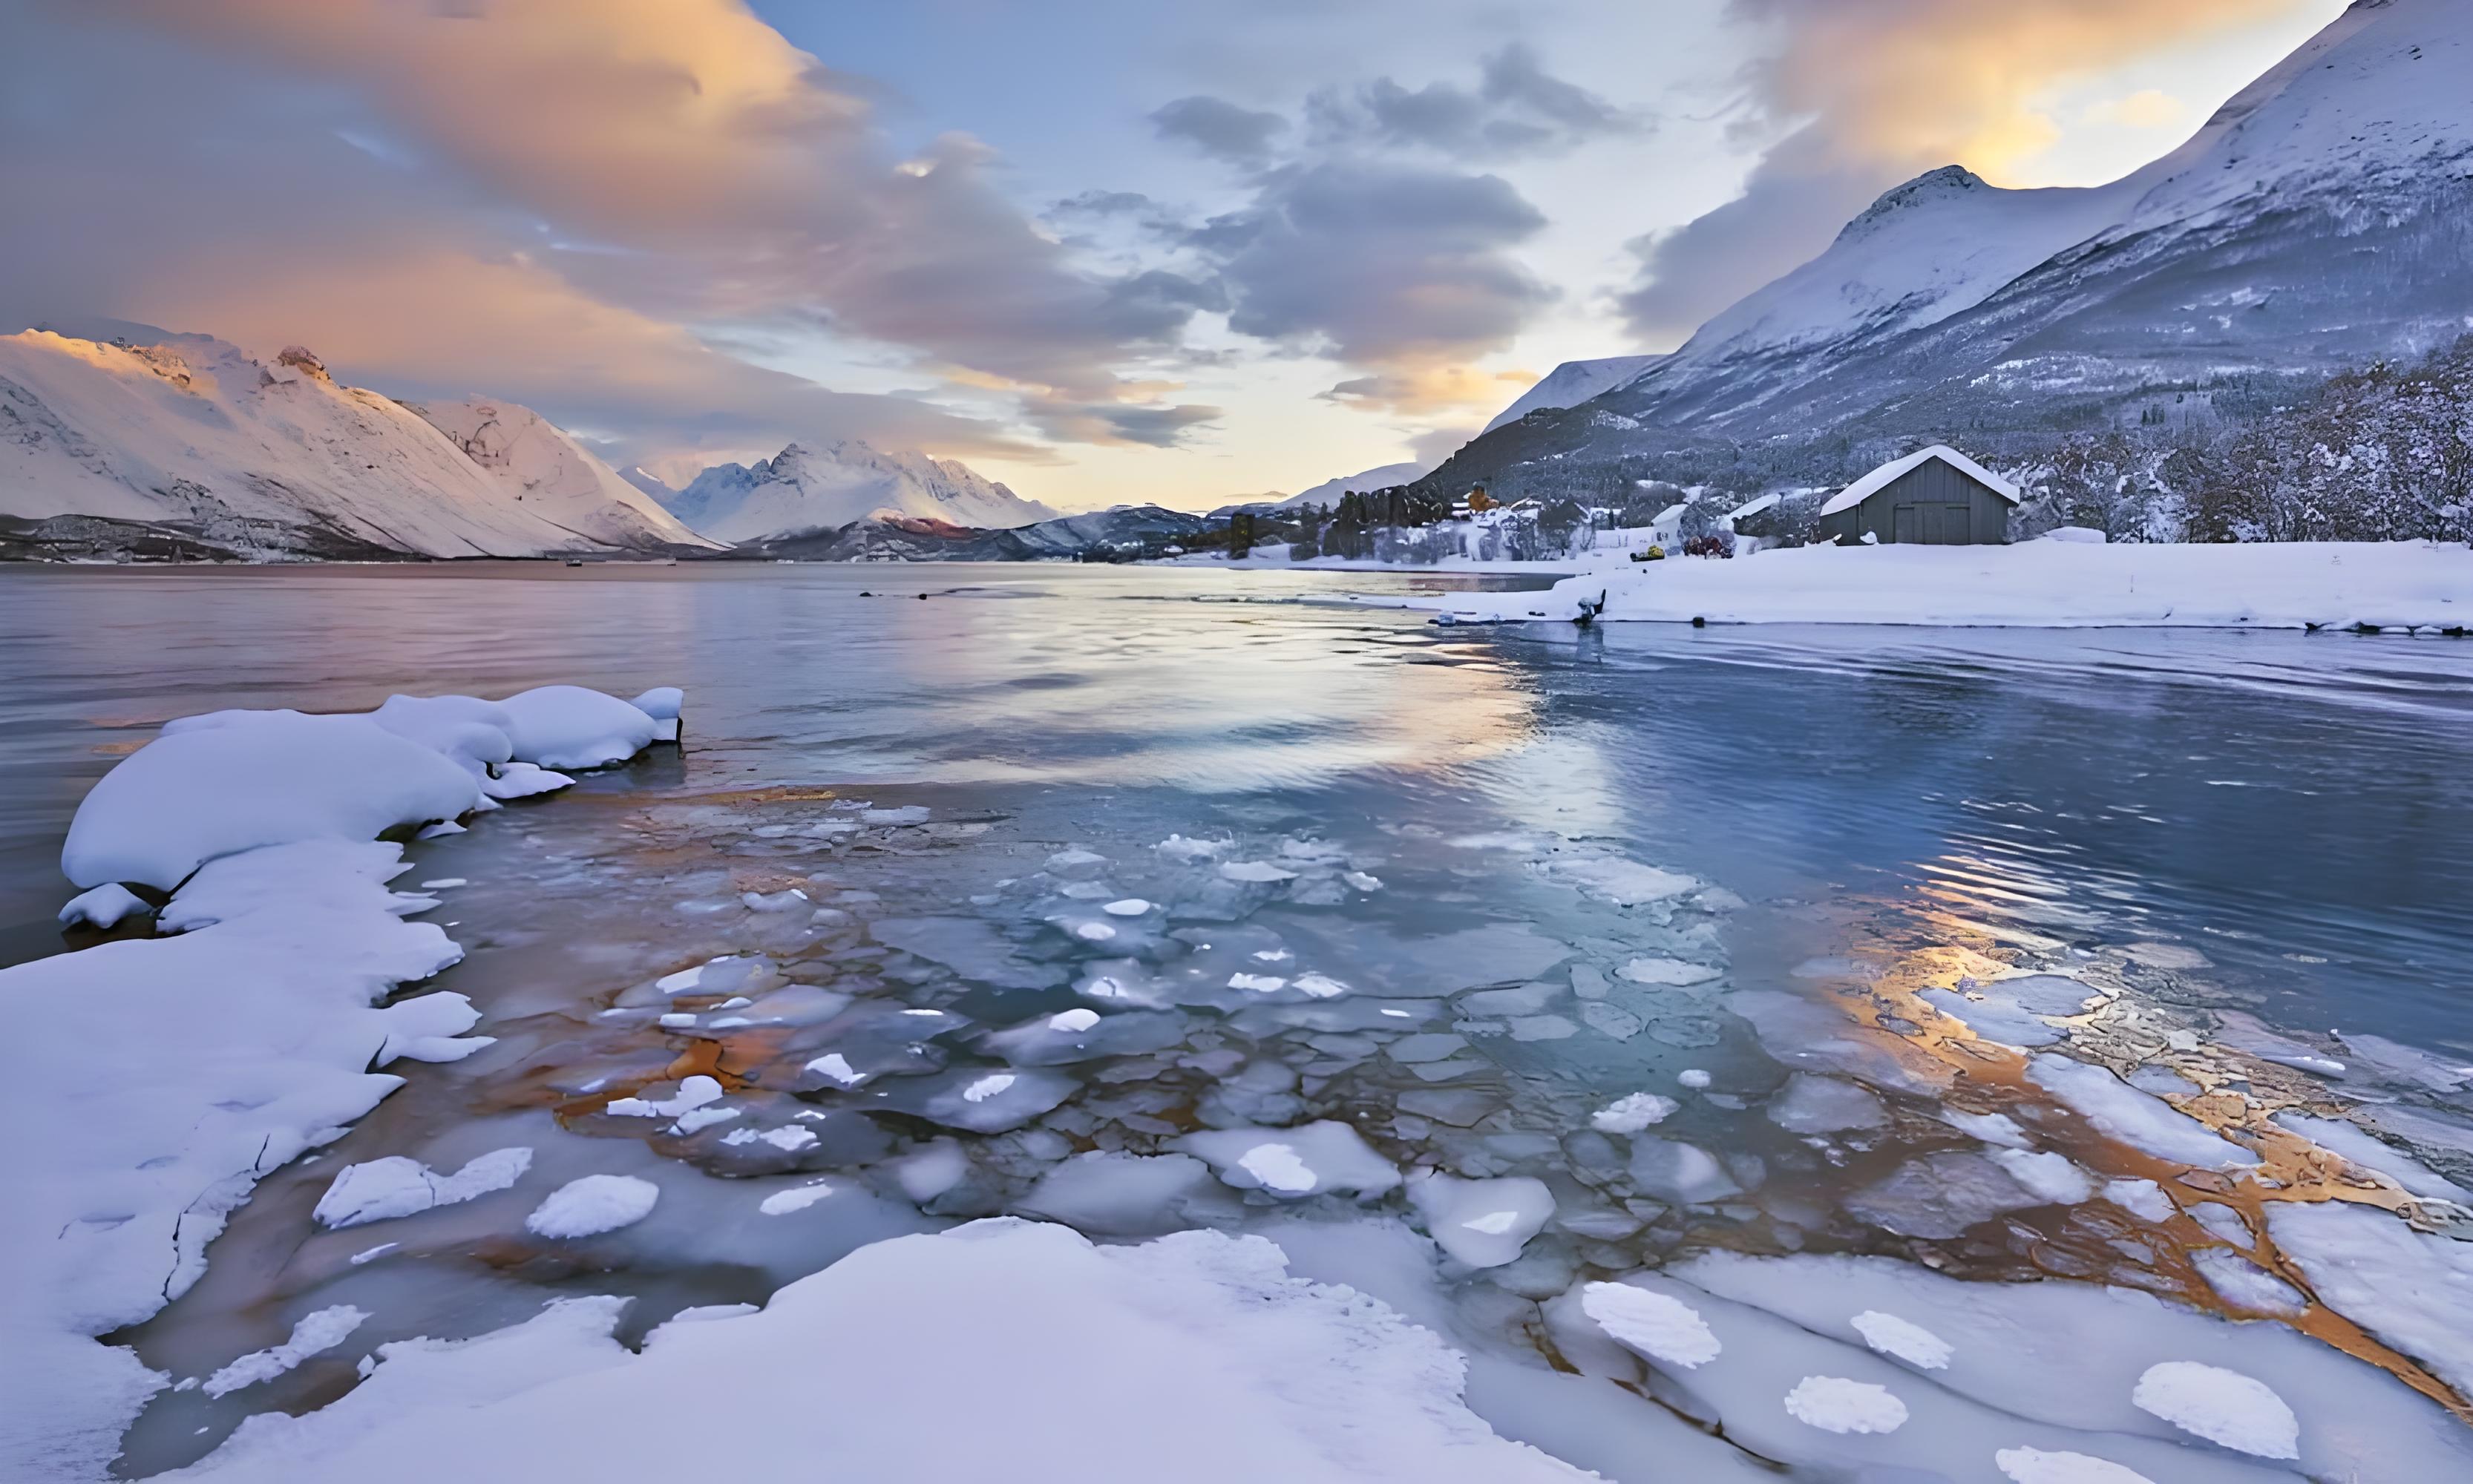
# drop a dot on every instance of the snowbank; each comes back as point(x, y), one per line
point(228, 781)
point(2398, 585)
point(171, 1073)
point(1072, 1361)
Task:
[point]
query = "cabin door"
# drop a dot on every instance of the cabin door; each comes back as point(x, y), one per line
point(1932, 525)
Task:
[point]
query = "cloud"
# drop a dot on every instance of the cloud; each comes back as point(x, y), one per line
point(1859, 95)
point(1401, 271)
point(1152, 425)
point(1220, 128)
point(1517, 108)
point(657, 164)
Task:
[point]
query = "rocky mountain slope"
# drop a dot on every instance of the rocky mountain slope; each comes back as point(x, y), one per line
point(2321, 220)
point(190, 447)
point(889, 538)
point(823, 488)
point(1573, 383)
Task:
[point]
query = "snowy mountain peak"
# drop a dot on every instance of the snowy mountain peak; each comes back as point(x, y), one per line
point(830, 484)
point(1922, 193)
point(277, 459)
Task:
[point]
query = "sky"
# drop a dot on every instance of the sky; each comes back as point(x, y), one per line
point(1105, 251)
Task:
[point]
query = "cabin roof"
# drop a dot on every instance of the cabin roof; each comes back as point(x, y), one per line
point(1871, 483)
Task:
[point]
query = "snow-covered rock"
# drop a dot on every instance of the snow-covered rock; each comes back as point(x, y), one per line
point(275, 458)
point(802, 488)
point(593, 1203)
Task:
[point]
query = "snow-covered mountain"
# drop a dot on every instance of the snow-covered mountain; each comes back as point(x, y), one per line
point(553, 476)
point(802, 488)
point(275, 459)
point(1573, 383)
point(2321, 220)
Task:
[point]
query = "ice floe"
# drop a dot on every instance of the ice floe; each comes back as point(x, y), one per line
point(1484, 1223)
point(1292, 1164)
point(314, 1334)
point(2136, 1118)
point(593, 1203)
point(2222, 1407)
point(1200, 1336)
point(1632, 1113)
point(381, 1189)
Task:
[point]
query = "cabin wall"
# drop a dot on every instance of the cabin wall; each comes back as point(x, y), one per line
point(1930, 505)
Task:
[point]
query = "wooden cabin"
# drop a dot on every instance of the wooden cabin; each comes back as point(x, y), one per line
point(1934, 497)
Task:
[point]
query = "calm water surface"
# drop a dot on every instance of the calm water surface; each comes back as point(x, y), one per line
point(2264, 825)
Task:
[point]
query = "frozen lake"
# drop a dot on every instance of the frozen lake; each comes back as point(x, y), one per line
point(1459, 890)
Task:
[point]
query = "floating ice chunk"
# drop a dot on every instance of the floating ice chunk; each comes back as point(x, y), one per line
point(1632, 1113)
point(1940, 1195)
point(1611, 1021)
point(1093, 932)
point(104, 906)
point(1809, 1104)
point(2222, 1407)
point(2141, 1198)
point(2412, 1290)
point(594, 1205)
point(1264, 984)
point(2243, 1284)
point(1991, 1127)
point(1118, 1194)
point(1075, 860)
point(907, 814)
point(789, 1139)
point(786, 899)
point(571, 726)
point(1073, 1020)
point(1319, 986)
point(782, 1203)
point(1546, 1027)
point(2362, 1148)
point(1610, 879)
point(837, 1067)
point(315, 1333)
point(374, 1254)
point(2050, 1176)
point(1660, 1328)
point(1673, 973)
point(443, 884)
point(1294, 1163)
point(1907, 1341)
point(933, 1170)
point(1994, 1020)
point(2135, 1118)
point(1361, 881)
point(1181, 848)
point(1424, 1046)
point(1126, 907)
point(2035, 1466)
point(693, 1093)
point(2410, 1064)
point(380, 1189)
point(1256, 871)
point(1679, 1173)
point(1833, 1403)
point(982, 1100)
point(1484, 1223)
point(697, 1119)
point(1692, 1077)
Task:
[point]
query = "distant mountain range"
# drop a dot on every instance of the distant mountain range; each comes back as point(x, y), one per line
point(2321, 220)
point(802, 489)
point(219, 454)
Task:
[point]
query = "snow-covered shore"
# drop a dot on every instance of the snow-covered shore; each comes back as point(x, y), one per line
point(175, 1071)
point(2043, 583)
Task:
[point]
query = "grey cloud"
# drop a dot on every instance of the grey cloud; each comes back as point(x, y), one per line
point(1517, 108)
point(1392, 269)
point(1155, 425)
point(1220, 128)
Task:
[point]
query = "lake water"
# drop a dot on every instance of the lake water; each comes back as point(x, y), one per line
point(1455, 887)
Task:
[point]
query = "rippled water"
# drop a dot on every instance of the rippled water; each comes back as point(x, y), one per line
point(2275, 825)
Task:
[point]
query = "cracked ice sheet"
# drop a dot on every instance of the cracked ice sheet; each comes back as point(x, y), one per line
point(232, 1048)
point(1199, 1335)
point(2070, 1357)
